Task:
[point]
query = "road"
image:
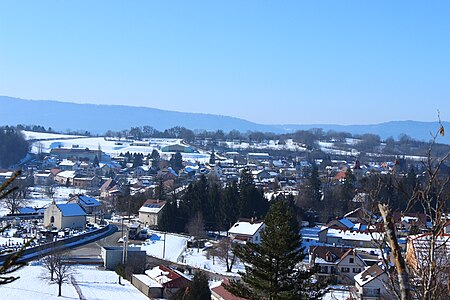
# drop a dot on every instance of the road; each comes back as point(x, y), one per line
point(93, 250)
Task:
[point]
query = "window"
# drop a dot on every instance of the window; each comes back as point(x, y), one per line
point(352, 260)
point(52, 219)
point(345, 270)
point(356, 270)
point(324, 269)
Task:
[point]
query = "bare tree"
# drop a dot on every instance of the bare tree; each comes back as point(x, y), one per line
point(49, 262)
point(196, 226)
point(59, 269)
point(424, 272)
point(224, 252)
point(12, 262)
point(16, 197)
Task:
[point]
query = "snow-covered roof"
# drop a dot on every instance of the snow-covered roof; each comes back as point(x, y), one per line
point(368, 275)
point(259, 154)
point(353, 235)
point(150, 282)
point(71, 210)
point(152, 206)
point(67, 162)
point(246, 228)
point(45, 175)
point(67, 174)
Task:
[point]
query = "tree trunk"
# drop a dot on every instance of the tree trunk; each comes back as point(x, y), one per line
point(59, 288)
point(402, 274)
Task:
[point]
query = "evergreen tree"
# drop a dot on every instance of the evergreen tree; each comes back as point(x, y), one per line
point(13, 146)
point(273, 268)
point(176, 161)
point(137, 161)
point(155, 154)
point(312, 193)
point(228, 204)
point(251, 200)
point(198, 289)
point(212, 158)
point(160, 190)
point(96, 163)
point(348, 190)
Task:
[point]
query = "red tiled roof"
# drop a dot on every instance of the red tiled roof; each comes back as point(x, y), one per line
point(224, 294)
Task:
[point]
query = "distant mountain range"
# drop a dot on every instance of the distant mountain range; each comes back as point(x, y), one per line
point(62, 116)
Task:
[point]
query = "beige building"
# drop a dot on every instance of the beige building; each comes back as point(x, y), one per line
point(64, 216)
point(150, 211)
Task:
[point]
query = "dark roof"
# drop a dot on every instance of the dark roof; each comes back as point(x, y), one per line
point(420, 216)
point(324, 251)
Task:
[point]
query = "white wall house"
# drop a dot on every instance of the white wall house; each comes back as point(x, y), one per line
point(246, 231)
point(372, 284)
point(336, 262)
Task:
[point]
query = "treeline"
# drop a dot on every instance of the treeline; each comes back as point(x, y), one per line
point(321, 199)
point(13, 146)
point(40, 128)
point(207, 205)
point(364, 143)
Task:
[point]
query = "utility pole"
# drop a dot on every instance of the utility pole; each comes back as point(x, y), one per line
point(164, 246)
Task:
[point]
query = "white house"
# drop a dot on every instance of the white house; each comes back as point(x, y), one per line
point(338, 262)
point(150, 212)
point(372, 284)
point(64, 216)
point(65, 177)
point(247, 231)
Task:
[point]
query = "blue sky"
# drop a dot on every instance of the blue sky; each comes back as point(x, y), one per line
point(272, 62)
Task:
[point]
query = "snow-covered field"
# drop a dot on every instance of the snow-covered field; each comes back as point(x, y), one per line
point(269, 145)
point(170, 249)
point(199, 259)
point(31, 135)
point(49, 141)
point(95, 284)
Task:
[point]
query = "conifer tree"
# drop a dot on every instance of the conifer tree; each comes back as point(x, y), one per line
point(272, 268)
point(198, 289)
point(251, 200)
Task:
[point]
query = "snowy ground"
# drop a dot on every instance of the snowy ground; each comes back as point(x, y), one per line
point(31, 135)
point(111, 147)
point(95, 284)
point(200, 259)
point(108, 146)
point(172, 250)
point(337, 293)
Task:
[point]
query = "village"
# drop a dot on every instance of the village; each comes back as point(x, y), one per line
point(72, 186)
